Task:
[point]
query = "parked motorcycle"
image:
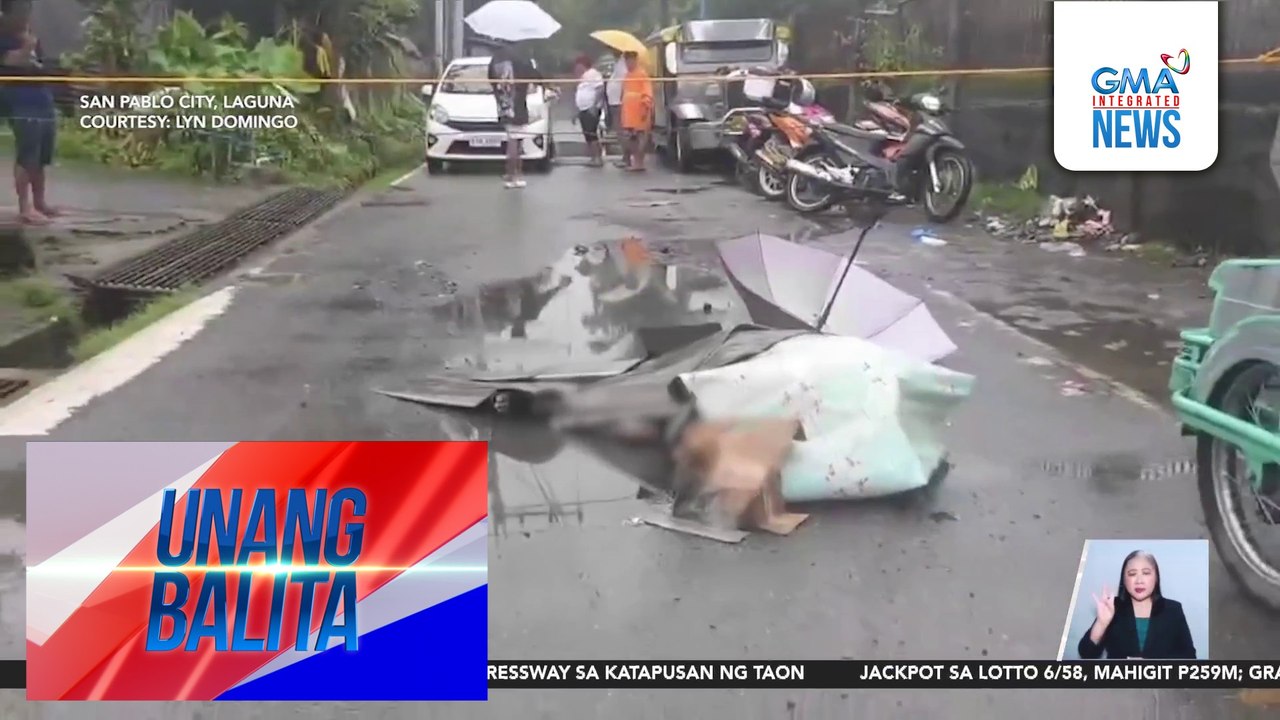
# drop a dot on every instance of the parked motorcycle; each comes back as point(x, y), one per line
point(746, 131)
point(903, 153)
point(771, 135)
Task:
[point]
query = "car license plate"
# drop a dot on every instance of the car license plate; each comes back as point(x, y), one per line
point(486, 142)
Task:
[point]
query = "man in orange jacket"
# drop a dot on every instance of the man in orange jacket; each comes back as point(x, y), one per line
point(637, 110)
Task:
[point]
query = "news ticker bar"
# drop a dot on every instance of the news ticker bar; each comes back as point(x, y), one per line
point(855, 674)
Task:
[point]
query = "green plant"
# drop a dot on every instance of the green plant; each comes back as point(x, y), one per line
point(326, 146)
point(112, 43)
point(1011, 201)
point(37, 299)
point(184, 49)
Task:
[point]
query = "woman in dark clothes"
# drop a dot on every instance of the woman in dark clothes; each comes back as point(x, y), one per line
point(1139, 622)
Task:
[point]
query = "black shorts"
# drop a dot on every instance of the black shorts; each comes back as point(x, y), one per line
point(33, 142)
point(590, 122)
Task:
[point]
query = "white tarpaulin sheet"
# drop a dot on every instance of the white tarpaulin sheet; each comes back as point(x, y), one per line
point(872, 418)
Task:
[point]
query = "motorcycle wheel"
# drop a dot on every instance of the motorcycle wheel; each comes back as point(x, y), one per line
point(770, 183)
point(798, 185)
point(1230, 493)
point(955, 174)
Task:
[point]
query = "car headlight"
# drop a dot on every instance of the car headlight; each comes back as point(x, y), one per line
point(930, 103)
point(439, 115)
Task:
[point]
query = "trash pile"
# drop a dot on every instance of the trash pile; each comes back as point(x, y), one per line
point(1065, 224)
point(830, 392)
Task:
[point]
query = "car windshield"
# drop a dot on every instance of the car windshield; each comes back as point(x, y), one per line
point(726, 53)
point(467, 80)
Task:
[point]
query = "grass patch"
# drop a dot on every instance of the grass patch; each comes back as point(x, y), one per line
point(38, 299)
point(99, 340)
point(1158, 253)
point(1007, 200)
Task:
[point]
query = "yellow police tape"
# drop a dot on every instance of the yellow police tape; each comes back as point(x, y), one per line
point(1269, 57)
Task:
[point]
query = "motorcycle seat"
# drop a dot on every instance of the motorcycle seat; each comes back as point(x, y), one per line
point(869, 131)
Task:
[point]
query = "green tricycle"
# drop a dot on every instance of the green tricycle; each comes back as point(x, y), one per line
point(1226, 392)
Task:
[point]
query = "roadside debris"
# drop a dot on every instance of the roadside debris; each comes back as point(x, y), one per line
point(730, 425)
point(925, 236)
point(1062, 221)
point(1070, 248)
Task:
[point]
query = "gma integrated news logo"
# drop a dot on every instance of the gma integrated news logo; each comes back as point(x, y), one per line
point(1126, 97)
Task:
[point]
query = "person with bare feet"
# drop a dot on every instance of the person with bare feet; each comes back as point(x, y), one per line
point(31, 112)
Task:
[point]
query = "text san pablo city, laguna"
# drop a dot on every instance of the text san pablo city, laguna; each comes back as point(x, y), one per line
point(187, 111)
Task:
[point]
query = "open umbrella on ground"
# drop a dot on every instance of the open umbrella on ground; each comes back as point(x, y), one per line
point(513, 21)
point(787, 285)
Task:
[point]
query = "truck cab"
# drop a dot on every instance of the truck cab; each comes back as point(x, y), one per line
point(689, 113)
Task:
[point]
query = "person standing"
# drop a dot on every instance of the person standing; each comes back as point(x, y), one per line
point(589, 99)
point(511, 75)
point(31, 112)
point(613, 95)
point(637, 111)
point(1138, 622)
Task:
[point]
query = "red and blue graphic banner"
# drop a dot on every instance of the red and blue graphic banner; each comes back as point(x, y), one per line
point(257, 571)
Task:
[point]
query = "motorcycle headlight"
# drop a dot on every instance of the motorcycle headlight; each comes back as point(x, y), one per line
point(930, 103)
point(439, 115)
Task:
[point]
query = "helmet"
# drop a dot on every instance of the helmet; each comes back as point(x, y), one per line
point(804, 93)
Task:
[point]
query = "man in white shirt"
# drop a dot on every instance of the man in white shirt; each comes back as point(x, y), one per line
point(613, 93)
point(589, 100)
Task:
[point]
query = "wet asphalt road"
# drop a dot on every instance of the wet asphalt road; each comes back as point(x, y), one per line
point(982, 569)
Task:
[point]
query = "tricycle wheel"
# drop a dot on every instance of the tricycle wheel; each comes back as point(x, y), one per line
point(1240, 491)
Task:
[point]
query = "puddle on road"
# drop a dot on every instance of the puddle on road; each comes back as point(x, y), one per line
point(583, 310)
point(539, 481)
point(581, 313)
point(1133, 349)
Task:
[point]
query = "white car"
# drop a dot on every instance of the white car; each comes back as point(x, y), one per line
point(462, 119)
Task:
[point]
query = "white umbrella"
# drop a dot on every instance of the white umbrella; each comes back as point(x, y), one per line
point(513, 21)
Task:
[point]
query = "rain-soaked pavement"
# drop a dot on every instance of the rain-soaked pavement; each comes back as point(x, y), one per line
point(1046, 454)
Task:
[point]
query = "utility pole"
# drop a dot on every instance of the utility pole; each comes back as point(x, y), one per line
point(664, 12)
point(441, 52)
point(459, 44)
